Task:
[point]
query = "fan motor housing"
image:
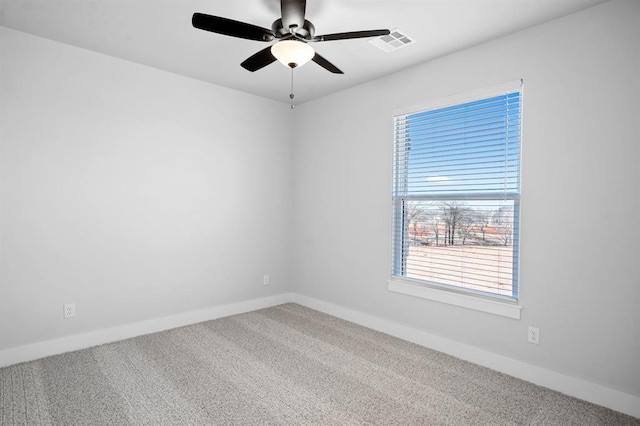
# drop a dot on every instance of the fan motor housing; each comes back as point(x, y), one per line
point(306, 32)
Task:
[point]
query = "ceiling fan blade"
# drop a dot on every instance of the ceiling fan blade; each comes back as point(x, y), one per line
point(293, 12)
point(350, 35)
point(326, 64)
point(229, 27)
point(259, 60)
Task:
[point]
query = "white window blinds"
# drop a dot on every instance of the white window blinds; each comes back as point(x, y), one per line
point(456, 194)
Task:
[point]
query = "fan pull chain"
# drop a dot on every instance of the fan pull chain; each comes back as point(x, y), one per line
point(291, 95)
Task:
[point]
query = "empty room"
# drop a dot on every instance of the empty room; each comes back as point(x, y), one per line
point(336, 212)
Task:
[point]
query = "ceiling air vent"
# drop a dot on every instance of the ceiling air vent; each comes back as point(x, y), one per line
point(393, 41)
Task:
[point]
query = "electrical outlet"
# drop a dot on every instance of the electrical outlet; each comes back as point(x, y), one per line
point(534, 335)
point(69, 310)
point(265, 280)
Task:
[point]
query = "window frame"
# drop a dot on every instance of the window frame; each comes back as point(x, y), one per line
point(478, 300)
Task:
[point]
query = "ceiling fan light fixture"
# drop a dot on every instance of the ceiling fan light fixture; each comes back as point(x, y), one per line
point(292, 53)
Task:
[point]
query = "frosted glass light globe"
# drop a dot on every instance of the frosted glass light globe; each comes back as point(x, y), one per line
point(292, 53)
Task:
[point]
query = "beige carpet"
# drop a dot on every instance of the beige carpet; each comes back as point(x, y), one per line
point(284, 365)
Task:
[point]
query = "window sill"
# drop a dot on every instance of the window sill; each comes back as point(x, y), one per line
point(496, 307)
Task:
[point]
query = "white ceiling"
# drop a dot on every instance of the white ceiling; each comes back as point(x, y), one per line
point(158, 33)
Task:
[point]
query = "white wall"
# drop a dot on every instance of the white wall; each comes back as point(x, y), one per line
point(580, 241)
point(131, 192)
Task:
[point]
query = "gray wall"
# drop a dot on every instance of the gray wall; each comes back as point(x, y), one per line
point(132, 192)
point(580, 195)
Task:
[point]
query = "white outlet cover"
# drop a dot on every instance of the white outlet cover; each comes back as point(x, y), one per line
point(69, 310)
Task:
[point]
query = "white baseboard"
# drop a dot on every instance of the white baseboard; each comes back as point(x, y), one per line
point(588, 391)
point(99, 337)
point(594, 393)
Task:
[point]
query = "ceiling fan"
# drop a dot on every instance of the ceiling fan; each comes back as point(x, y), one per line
point(292, 32)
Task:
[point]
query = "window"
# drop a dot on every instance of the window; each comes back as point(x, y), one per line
point(456, 195)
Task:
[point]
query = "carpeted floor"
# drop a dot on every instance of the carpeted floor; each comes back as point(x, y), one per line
point(284, 365)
